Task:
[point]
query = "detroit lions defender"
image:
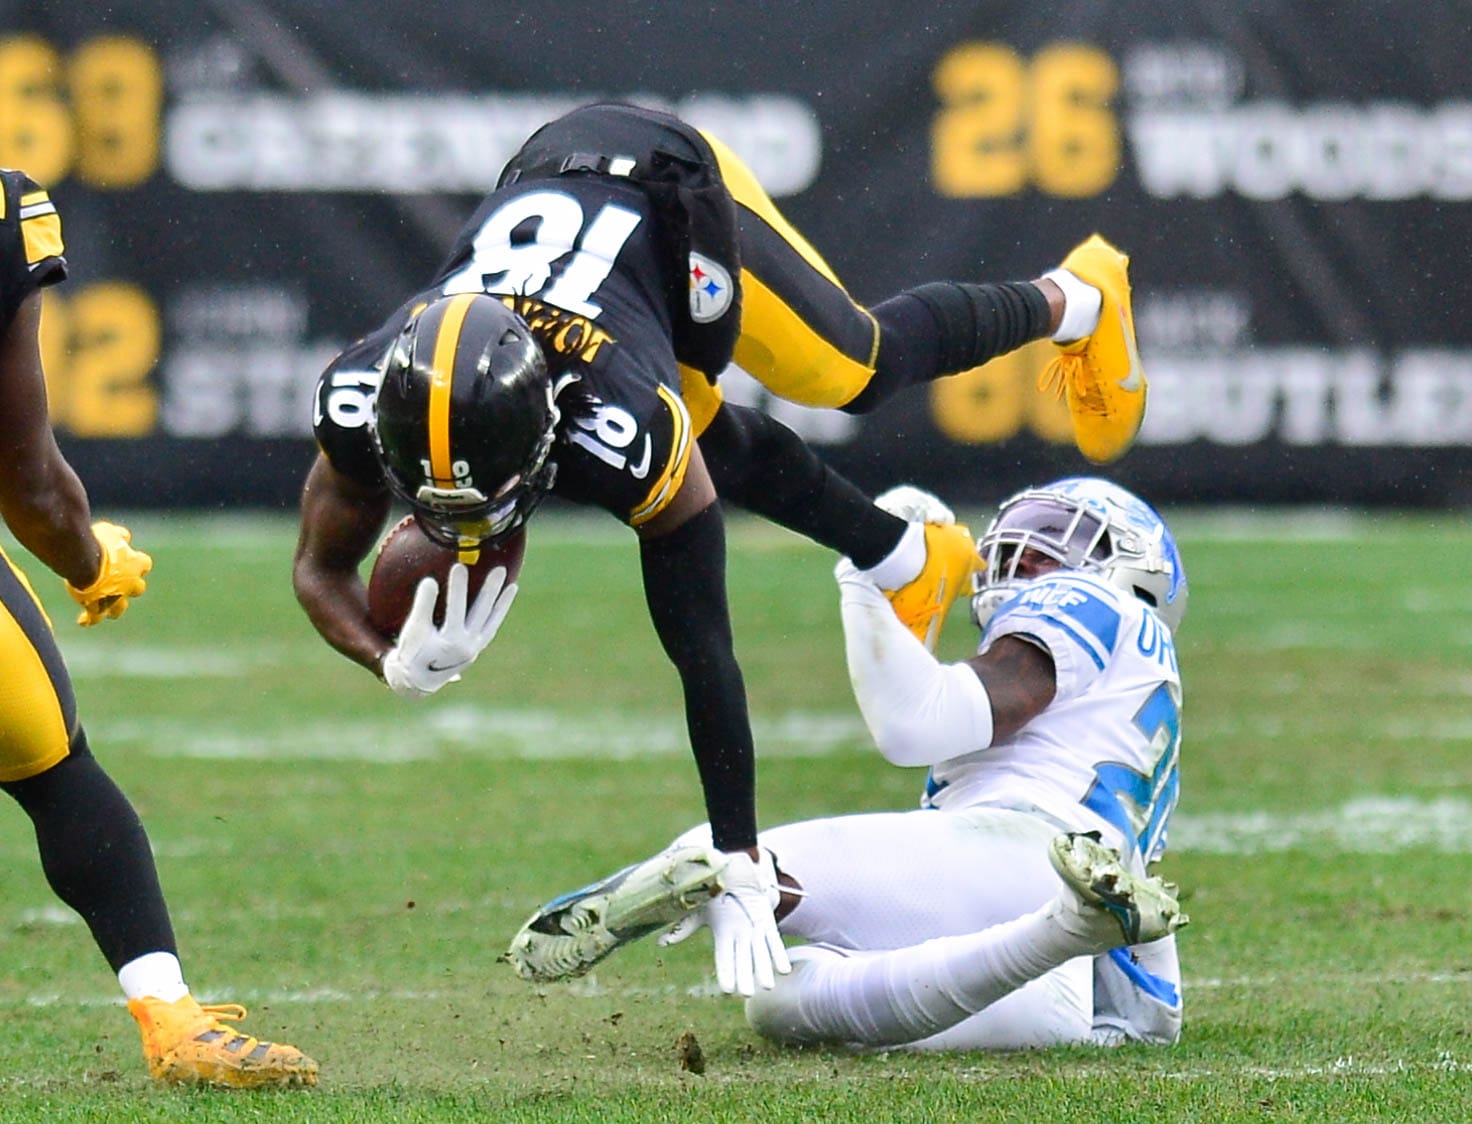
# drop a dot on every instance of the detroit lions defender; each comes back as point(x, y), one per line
point(1053, 757)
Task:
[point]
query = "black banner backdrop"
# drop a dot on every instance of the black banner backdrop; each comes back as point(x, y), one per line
point(248, 184)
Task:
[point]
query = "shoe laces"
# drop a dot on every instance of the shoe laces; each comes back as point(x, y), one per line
point(1059, 372)
point(1067, 371)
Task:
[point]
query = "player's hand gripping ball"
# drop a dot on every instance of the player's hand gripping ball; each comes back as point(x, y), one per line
point(407, 556)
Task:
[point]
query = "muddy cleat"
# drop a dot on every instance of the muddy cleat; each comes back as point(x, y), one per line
point(185, 1043)
point(951, 559)
point(1100, 376)
point(574, 931)
point(1107, 900)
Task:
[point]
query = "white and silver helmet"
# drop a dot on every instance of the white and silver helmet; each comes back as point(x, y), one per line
point(1089, 524)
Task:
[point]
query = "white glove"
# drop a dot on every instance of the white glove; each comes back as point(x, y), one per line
point(748, 947)
point(915, 505)
point(425, 657)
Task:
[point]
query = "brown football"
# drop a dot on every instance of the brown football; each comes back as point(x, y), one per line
point(407, 555)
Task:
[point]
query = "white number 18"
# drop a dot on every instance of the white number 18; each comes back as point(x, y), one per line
point(498, 266)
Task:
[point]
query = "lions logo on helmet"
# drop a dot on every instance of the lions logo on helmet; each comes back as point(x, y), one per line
point(1085, 523)
point(464, 419)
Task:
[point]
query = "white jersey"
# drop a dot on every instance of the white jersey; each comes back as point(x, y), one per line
point(1103, 755)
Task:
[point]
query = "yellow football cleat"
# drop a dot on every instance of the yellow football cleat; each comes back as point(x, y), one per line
point(1100, 376)
point(951, 559)
point(185, 1043)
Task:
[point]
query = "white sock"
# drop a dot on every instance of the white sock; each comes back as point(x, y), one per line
point(154, 974)
point(1081, 305)
point(903, 564)
point(890, 998)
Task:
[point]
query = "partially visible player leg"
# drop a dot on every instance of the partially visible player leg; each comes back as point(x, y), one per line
point(886, 880)
point(1138, 995)
point(807, 340)
point(757, 462)
point(97, 859)
point(905, 995)
point(878, 1000)
point(1056, 1009)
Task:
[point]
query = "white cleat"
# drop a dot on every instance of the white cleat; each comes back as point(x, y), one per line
point(574, 931)
point(1105, 900)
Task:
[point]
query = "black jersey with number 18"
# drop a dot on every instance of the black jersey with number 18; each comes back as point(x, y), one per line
point(583, 259)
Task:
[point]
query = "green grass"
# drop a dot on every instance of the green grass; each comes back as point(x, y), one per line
point(349, 865)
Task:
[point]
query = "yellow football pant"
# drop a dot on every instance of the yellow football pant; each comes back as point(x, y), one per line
point(802, 336)
point(38, 711)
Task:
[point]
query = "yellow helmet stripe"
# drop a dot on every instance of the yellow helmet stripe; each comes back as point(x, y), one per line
point(442, 376)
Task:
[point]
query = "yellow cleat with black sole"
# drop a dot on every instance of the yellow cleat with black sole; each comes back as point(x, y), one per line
point(185, 1043)
point(1100, 376)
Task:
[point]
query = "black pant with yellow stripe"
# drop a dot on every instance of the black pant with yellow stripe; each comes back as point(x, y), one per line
point(93, 848)
point(807, 340)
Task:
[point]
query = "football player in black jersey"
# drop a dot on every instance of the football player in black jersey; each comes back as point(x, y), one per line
point(93, 848)
point(571, 343)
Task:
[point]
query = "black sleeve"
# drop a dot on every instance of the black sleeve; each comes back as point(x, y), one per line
point(759, 463)
point(944, 327)
point(685, 586)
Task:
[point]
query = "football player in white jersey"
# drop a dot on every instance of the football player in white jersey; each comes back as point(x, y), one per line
point(1013, 908)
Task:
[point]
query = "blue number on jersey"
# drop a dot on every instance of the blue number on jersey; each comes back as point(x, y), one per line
point(1138, 805)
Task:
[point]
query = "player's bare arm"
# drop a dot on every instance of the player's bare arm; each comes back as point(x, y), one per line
point(41, 499)
point(341, 521)
point(1019, 679)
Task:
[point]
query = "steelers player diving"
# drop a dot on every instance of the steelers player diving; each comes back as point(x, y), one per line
point(571, 344)
point(93, 848)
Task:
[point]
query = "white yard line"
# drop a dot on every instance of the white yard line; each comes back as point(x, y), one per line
point(588, 987)
point(494, 733)
point(543, 733)
point(1366, 825)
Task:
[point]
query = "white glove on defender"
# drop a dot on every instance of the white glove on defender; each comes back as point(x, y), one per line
point(915, 505)
point(748, 947)
point(425, 657)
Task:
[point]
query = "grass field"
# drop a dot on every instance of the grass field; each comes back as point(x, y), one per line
point(349, 865)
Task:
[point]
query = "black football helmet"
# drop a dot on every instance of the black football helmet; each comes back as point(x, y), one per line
point(464, 419)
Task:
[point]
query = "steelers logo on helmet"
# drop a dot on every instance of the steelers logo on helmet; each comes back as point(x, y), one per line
point(464, 419)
